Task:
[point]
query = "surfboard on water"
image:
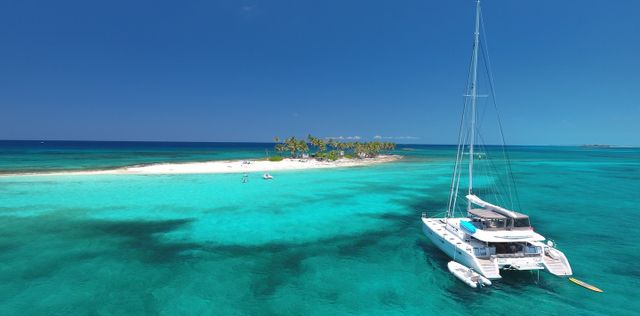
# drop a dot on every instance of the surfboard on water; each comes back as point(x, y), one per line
point(585, 285)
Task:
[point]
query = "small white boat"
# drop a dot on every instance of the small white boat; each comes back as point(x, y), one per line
point(466, 275)
point(267, 176)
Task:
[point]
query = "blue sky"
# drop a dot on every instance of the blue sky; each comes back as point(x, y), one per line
point(566, 72)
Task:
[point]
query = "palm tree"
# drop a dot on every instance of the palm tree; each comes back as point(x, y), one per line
point(298, 147)
point(358, 149)
point(292, 145)
point(302, 147)
point(318, 143)
point(322, 145)
point(312, 140)
point(390, 146)
point(340, 147)
point(332, 143)
point(348, 146)
point(279, 147)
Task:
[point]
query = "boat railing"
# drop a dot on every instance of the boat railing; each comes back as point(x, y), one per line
point(433, 214)
point(517, 255)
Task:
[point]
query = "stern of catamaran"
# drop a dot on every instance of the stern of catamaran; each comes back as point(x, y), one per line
point(505, 238)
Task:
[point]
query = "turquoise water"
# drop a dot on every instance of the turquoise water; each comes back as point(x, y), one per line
point(317, 242)
point(37, 156)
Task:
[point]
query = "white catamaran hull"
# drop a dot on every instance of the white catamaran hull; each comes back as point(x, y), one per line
point(446, 242)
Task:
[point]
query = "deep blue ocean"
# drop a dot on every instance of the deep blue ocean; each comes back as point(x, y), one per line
point(315, 242)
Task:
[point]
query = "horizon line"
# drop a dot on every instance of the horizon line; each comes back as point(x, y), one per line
point(271, 142)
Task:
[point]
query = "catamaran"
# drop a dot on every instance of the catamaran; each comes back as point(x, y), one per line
point(488, 238)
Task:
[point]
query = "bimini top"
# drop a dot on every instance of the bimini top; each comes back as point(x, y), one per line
point(493, 209)
point(484, 213)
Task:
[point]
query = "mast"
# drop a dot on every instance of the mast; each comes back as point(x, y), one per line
point(474, 96)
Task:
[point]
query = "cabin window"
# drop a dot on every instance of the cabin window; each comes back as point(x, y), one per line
point(494, 223)
point(521, 222)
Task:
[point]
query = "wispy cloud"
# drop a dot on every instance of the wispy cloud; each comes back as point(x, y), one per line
point(344, 137)
point(376, 137)
point(249, 10)
point(396, 137)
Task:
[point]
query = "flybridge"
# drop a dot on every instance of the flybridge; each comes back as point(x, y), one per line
point(500, 210)
point(492, 217)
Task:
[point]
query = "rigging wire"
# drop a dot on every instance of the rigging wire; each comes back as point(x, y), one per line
point(460, 148)
point(493, 169)
point(464, 137)
point(457, 191)
point(505, 152)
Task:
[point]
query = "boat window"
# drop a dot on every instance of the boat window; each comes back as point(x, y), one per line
point(494, 223)
point(521, 222)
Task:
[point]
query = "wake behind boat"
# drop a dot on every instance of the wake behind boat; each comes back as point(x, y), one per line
point(488, 238)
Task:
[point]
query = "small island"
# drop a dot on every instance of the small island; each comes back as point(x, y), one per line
point(314, 154)
point(597, 146)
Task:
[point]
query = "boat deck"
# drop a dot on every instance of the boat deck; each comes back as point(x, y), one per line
point(557, 267)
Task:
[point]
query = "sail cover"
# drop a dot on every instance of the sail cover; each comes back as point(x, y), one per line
point(477, 201)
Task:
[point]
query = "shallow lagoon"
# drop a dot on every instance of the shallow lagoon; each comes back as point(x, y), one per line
point(314, 242)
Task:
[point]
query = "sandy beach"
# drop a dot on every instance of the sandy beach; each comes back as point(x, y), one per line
point(227, 166)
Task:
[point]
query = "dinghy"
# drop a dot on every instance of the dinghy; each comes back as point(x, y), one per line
point(267, 176)
point(466, 275)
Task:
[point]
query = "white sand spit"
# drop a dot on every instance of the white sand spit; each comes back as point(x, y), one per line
point(228, 166)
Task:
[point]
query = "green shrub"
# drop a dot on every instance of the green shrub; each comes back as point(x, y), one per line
point(333, 155)
point(276, 158)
